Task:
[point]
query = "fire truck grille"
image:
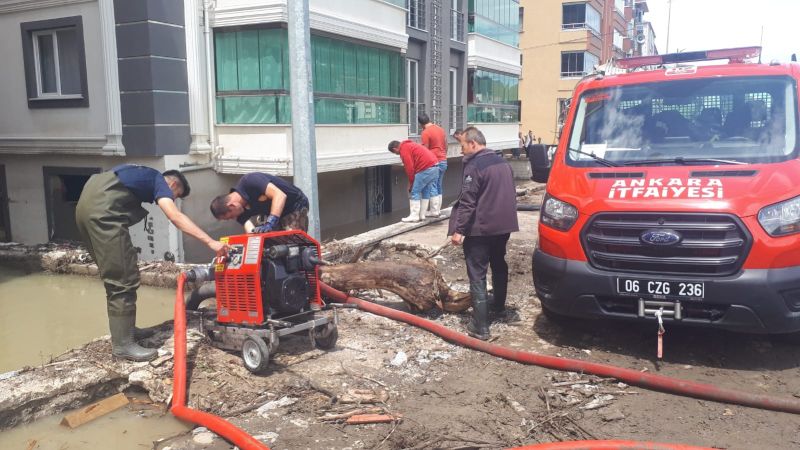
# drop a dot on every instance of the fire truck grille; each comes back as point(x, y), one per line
point(707, 245)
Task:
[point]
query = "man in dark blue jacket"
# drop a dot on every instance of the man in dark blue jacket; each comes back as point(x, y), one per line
point(482, 220)
point(283, 205)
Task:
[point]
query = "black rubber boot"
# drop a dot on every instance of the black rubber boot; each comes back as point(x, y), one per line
point(122, 343)
point(142, 333)
point(478, 326)
point(497, 300)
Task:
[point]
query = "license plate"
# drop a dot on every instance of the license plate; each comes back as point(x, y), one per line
point(651, 288)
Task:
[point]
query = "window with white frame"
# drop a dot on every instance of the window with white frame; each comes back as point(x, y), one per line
point(54, 61)
point(577, 64)
point(416, 14)
point(618, 40)
point(456, 112)
point(576, 16)
point(620, 6)
point(413, 96)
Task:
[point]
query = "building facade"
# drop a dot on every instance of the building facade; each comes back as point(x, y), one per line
point(205, 88)
point(563, 41)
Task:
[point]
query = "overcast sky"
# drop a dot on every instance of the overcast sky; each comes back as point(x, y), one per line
point(709, 24)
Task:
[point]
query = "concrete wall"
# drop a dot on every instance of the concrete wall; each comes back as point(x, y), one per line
point(25, 179)
point(16, 119)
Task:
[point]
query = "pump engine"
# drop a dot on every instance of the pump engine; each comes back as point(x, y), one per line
point(267, 288)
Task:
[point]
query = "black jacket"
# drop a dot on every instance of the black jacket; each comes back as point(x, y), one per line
point(487, 205)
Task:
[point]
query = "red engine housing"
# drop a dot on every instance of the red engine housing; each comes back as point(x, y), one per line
point(242, 295)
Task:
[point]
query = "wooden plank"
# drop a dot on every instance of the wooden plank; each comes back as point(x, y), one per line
point(372, 418)
point(95, 410)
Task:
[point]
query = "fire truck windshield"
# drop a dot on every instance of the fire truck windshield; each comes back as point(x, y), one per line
point(706, 121)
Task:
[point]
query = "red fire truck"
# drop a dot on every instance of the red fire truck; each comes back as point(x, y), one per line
point(675, 193)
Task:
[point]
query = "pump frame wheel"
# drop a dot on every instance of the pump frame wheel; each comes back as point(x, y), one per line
point(255, 354)
point(324, 337)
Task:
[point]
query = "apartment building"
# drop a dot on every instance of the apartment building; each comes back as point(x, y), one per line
point(494, 70)
point(205, 88)
point(561, 42)
point(641, 31)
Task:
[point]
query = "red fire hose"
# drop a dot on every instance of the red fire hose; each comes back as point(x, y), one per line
point(656, 382)
point(633, 377)
point(179, 409)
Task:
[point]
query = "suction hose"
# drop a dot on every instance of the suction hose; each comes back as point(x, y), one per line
point(633, 377)
point(179, 409)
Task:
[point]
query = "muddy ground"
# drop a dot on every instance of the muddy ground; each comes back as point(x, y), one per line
point(451, 397)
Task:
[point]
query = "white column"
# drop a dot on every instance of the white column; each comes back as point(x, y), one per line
point(111, 72)
point(195, 64)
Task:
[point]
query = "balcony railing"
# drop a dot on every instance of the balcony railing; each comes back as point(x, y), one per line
point(456, 117)
point(456, 25)
point(414, 110)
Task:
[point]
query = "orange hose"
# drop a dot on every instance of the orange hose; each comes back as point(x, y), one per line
point(633, 377)
point(179, 409)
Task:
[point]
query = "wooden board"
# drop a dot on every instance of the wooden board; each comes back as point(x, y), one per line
point(95, 410)
point(372, 418)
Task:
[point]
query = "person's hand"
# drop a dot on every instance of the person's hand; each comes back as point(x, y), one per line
point(219, 248)
point(457, 239)
point(271, 224)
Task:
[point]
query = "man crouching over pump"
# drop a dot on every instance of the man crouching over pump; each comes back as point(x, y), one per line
point(258, 195)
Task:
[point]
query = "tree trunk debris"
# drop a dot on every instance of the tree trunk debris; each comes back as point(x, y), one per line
point(417, 282)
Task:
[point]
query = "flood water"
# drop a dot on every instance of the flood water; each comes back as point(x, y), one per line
point(45, 315)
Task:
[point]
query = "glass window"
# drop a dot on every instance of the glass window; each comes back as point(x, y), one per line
point(496, 19)
point(253, 79)
point(492, 96)
point(577, 64)
point(752, 119)
point(580, 16)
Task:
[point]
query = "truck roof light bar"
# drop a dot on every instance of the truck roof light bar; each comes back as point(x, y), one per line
point(734, 55)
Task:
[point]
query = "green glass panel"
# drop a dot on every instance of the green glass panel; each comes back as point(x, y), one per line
point(374, 72)
point(350, 70)
point(337, 67)
point(384, 75)
point(247, 50)
point(254, 109)
point(226, 62)
point(362, 71)
point(271, 58)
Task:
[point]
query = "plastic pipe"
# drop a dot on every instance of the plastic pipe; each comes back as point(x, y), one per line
point(179, 409)
point(633, 377)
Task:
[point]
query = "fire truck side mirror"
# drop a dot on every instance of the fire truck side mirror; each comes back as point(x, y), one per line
point(540, 163)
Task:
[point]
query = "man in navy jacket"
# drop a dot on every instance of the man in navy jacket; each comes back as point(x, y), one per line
point(482, 220)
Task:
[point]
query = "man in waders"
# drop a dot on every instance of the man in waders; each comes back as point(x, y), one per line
point(110, 203)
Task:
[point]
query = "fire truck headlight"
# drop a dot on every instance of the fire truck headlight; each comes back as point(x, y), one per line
point(781, 218)
point(557, 214)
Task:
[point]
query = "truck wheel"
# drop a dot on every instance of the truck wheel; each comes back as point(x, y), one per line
point(325, 336)
point(255, 354)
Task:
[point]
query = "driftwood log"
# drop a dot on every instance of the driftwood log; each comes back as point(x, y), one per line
point(418, 283)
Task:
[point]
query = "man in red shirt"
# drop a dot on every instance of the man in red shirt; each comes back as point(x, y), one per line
point(434, 137)
point(422, 172)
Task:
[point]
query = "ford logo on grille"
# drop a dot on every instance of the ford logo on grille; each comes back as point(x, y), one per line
point(660, 237)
